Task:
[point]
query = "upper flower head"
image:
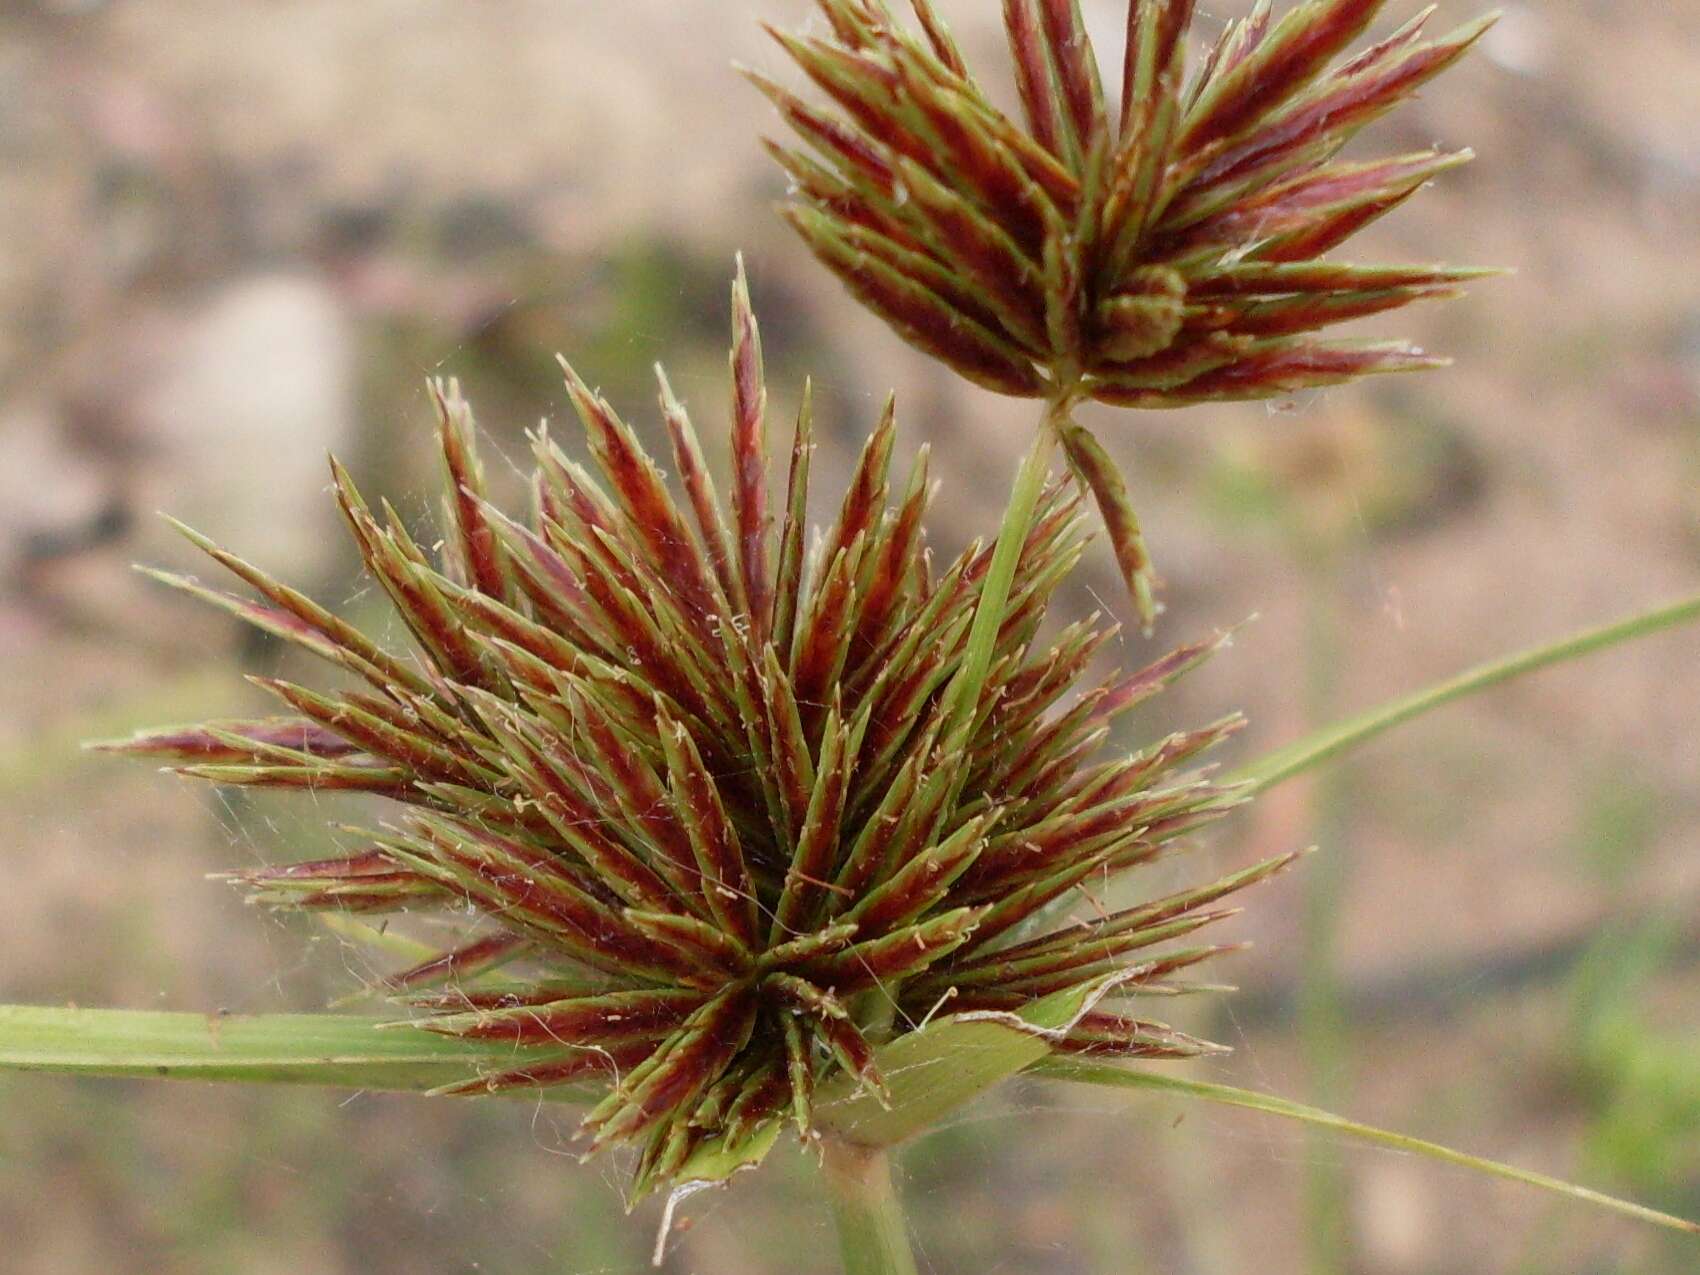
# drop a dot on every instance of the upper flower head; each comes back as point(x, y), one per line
point(1159, 254)
point(698, 800)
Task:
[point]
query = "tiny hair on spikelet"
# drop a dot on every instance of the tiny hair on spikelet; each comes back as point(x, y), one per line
point(691, 782)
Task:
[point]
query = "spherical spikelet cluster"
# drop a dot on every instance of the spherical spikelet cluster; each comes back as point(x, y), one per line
point(698, 794)
point(1158, 255)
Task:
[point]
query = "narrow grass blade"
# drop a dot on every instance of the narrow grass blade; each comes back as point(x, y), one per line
point(1331, 741)
point(1119, 1077)
point(339, 1050)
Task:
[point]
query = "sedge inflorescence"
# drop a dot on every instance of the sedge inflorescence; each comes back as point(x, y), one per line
point(705, 791)
point(1158, 252)
point(1163, 253)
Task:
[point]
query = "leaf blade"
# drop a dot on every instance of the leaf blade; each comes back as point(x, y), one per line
point(1120, 1077)
point(1331, 741)
point(336, 1050)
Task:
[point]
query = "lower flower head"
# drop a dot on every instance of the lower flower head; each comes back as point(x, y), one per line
point(700, 794)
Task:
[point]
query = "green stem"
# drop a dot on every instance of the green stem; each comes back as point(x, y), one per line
point(1314, 749)
point(1324, 1033)
point(872, 1234)
point(962, 695)
point(1093, 1073)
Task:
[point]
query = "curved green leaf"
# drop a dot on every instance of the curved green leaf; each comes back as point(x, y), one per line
point(1092, 1073)
point(1331, 741)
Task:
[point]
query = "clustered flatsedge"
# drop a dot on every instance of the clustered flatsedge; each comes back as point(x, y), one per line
point(1157, 255)
point(722, 818)
point(698, 790)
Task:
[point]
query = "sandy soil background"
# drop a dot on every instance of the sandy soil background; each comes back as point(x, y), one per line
point(233, 236)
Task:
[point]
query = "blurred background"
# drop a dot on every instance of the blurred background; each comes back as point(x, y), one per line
point(236, 236)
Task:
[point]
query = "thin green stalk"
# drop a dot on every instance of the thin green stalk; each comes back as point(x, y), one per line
point(873, 1236)
point(1324, 1033)
point(962, 694)
point(1092, 1073)
point(1314, 749)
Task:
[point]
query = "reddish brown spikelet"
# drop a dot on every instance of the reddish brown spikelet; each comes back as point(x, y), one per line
point(466, 961)
point(1098, 472)
point(1271, 68)
point(726, 884)
point(749, 456)
point(588, 1020)
point(558, 1068)
point(644, 499)
point(1075, 68)
point(823, 642)
point(939, 38)
point(789, 587)
point(911, 303)
point(1039, 98)
point(478, 547)
point(213, 742)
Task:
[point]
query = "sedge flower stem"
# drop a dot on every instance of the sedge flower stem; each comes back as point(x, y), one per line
point(873, 1236)
point(962, 695)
